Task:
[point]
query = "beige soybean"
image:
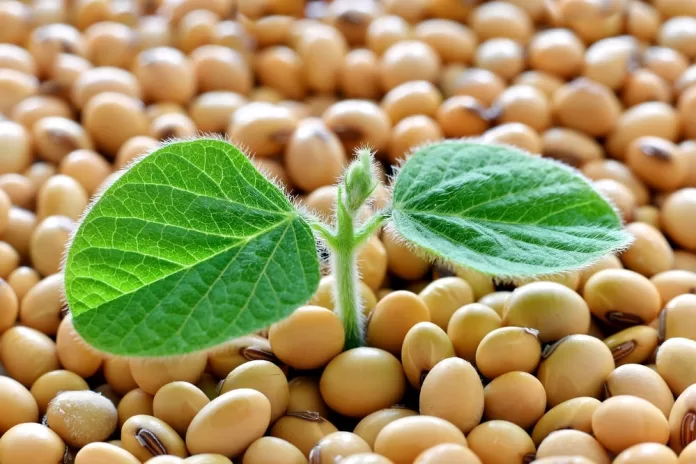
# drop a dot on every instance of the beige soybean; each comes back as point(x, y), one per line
point(502, 56)
point(370, 426)
point(573, 443)
point(336, 446)
point(103, 79)
point(87, 167)
point(447, 453)
point(17, 142)
point(404, 439)
point(372, 263)
point(552, 309)
point(650, 253)
point(20, 225)
point(177, 403)
point(657, 119)
point(135, 147)
point(210, 111)
point(280, 68)
point(658, 162)
point(15, 86)
point(55, 137)
point(61, 195)
point(612, 169)
point(516, 397)
point(501, 19)
point(587, 106)
point(642, 382)
point(495, 301)
point(622, 297)
point(264, 128)
point(41, 306)
point(571, 146)
point(577, 365)
point(112, 118)
point(172, 126)
point(359, 73)
point(633, 345)
point(48, 243)
point(135, 402)
point(228, 356)
point(485, 86)
point(644, 85)
point(358, 123)
point(152, 374)
point(575, 413)
point(146, 437)
point(401, 260)
point(393, 317)
point(492, 357)
point(27, 354)
point(452, 390)
point(468, 326)
point(361, 381)
point(678, 318)
point(673, 363)
point(444, 296)
point(524, 104)
point(304, 395)
point(425, 345)
point(104, 452)
point(262, 376)
point(314, 156)
point(267, 450)
point(31, 442)
point(9, 304)
point(677, 217)
point(165, 74)
point(544, 82)
point(408, 60)
point(19, 404)
point(411, 98)
point(687, 455)
point(516, 134)
point(302, 429)
point(673, 283)
point(49, 385)
point(32, 109)
point(308, 339)
point(73, 352)
point(647, 453)
point(681, 420)
point(501, 442)
point(81, 417)
point(623, 421)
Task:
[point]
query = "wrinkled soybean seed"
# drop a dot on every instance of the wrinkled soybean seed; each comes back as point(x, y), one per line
point(81, 417)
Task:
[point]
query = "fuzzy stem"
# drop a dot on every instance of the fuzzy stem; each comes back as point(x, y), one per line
point(344, 268)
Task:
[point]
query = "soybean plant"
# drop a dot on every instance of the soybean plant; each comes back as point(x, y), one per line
point(191, 246)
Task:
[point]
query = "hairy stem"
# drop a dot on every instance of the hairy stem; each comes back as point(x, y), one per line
point(345, 270)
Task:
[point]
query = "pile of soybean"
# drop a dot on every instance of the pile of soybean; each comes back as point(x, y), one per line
point(590, 367)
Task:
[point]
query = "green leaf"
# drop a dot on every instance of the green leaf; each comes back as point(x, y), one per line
point(502, 211)
point(189, 248)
